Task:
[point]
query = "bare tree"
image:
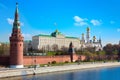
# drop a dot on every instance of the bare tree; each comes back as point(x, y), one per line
point(48, 47)
point(55, 47)
point(64, 49)
point(4, 49)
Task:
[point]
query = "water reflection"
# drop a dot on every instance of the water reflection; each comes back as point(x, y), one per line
point(90, 74)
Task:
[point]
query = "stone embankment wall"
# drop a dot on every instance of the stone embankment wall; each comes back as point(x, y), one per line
point(15, 72)
point(41, 70)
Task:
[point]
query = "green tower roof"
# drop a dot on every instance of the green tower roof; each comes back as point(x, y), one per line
point(16, 23)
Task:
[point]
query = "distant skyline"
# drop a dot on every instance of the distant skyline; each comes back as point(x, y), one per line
point(70, 17)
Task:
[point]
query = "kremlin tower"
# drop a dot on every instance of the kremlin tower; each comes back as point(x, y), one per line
point(88, 35)
point(71, 51)
point(16, 43)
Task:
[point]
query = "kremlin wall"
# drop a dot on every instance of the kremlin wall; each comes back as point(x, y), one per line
point(49, 59)
point(33, 60)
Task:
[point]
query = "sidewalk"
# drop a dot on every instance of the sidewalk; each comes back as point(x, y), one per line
point(41, 70)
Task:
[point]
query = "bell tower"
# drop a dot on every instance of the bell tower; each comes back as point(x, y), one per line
point(88, 35)
point(16, 43)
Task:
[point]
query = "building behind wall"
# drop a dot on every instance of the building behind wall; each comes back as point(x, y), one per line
point(27, 45)
point(57, 41)
point(97, 44)
point(54, 41)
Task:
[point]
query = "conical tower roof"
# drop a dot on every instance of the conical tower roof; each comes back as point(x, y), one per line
point(16, 23)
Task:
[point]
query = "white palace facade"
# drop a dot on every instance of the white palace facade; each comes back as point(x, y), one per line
point(55, 40)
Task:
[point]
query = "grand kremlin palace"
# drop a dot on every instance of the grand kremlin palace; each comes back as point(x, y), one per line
point(56, 39)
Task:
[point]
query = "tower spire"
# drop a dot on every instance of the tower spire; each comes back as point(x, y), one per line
point(16, 13)
point(94, 38)
point(16, 23)
point(100, 40)
point(83, 40)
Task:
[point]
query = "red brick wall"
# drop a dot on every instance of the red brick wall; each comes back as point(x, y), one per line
point(30, 60)
point(82, 57)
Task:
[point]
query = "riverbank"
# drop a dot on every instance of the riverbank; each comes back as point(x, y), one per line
point(41, 70)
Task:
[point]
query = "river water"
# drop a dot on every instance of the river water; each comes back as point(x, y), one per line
point(88, 74)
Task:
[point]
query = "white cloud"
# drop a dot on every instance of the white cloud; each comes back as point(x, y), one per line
point(118, 30)
point(85, 22)
point(21, 24)
point(10, 21)
point(27, 36)
point(80, 21)
point(112, 22)
point(95, 22)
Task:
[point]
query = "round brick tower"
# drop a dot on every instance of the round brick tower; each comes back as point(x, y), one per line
point(16, 43)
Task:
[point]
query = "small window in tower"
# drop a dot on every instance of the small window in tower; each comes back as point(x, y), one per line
point(20, 44)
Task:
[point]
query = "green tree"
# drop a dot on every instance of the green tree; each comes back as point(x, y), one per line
point(4, 49)
point(108, 49)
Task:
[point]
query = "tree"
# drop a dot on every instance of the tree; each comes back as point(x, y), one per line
point(108, 49)
point(64, 50)
point(90, 49)
point(48, 47)
point(111, 49)
point(90, 56)
point(4, 49)
point(55, 47)
point(101, 53)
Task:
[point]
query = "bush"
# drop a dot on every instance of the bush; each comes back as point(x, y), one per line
point(49, 63)
point(66, 61)
point(53, 62)
point(76, 61)
point(50, 53)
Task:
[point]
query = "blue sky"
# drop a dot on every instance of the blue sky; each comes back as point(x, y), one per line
point(71, 17)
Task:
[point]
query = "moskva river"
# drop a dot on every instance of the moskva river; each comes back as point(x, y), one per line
point(88, 74)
